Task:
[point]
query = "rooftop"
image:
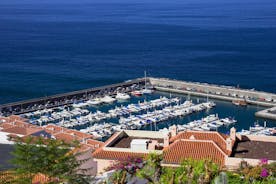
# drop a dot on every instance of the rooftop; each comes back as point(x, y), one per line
point(22, 130)
point(196, 149)
point(124, 142)
point(218, 138)
point(255, 149)
point(188, 144)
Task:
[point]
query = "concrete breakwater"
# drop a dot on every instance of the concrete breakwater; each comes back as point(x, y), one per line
point(227, 93)
point(267, 113)
point(69, 98)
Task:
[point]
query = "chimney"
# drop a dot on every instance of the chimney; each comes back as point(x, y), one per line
point(229, 144)
point(173, 130)
point(233, 134)
point(167, 140)
point(152, 144)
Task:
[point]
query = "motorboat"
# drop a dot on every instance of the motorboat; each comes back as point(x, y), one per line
point(137, 93)
point(239, 102)
point(147, 91)
point(122, 96)
point(95, 101)
point(108, 99)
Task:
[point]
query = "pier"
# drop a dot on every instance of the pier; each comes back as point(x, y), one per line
point(267, 113)
point(31, 105)
point(227, 93)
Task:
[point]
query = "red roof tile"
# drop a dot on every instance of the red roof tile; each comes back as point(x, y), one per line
point(218, 138)
point(52, 129)
point(79, 134)
point(66, 137)
point(22, 130)
point(195, 149)
point(94, 144)
point(116, 155)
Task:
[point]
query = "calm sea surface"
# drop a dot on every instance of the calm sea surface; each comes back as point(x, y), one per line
point(55, 46)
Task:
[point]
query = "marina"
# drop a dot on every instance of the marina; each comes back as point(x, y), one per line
point(208, 123)
point(257, 129)
point(149, 104)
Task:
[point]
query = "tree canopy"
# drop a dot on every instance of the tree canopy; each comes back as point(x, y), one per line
point(52, 158)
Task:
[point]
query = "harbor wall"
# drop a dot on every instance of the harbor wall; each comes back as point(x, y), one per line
point(67, 98)
point(267, 113)
point(227, 93)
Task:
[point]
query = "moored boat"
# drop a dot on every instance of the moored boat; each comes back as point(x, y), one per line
point(108, 99)
point(137, 93)
point(239, 102)
point(122, 96)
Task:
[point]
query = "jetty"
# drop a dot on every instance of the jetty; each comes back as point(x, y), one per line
point(221, 92)
point(35, 104)
point(267, 113)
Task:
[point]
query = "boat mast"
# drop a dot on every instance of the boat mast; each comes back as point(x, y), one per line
point(145, 72)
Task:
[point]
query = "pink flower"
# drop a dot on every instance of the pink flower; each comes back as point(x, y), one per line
point(264, 161)
point(264, 173)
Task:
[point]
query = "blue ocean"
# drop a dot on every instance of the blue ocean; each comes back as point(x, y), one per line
point(55, 46)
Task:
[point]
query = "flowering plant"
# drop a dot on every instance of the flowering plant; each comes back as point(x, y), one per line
point(264, 173)
point(263, 161)
point(130, 165)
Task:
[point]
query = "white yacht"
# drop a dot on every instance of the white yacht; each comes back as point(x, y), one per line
point(95, 101)
point(147, 91)
point(122, 96)
point(108, 99)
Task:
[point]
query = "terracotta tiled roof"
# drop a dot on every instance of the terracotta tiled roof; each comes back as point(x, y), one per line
point(13, 118)
point(22, 130)
point(111, 138)
point(15, 123)
point(195, 149)
point(52, 129)
point(79, 134)
point(6, 125)
point(94, 144)
point(66, 137)
point(218, 138)
point(116, 155)
point(56, 130)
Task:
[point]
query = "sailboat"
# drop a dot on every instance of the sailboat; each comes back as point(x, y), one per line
point(146, 90)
